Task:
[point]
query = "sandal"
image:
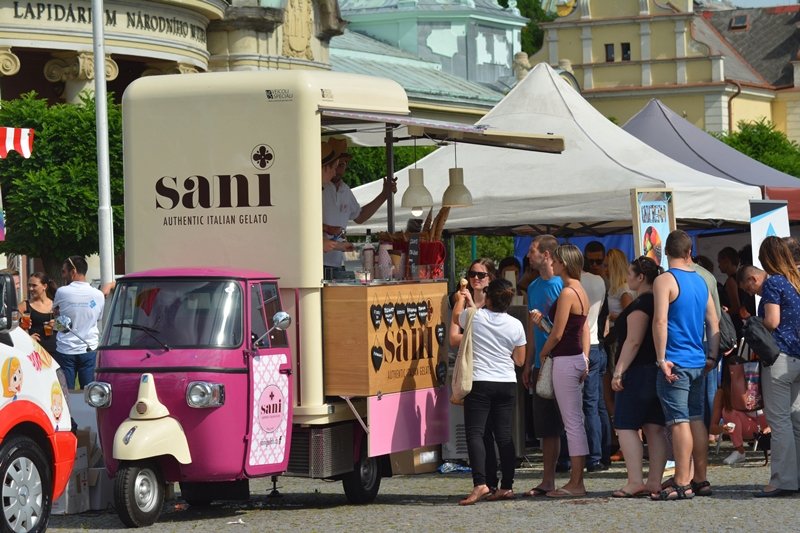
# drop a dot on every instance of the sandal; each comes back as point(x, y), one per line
point(500, 494)
point(702, 488)
point(675, 492)
point(472, 498)
point(535, 492)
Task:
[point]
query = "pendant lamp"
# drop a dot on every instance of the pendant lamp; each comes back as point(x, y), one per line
point(457, 194)
point(417, 196)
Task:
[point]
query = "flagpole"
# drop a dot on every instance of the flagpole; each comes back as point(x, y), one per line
point(105, 220)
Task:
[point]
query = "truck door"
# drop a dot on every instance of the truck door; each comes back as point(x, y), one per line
point(270, 383)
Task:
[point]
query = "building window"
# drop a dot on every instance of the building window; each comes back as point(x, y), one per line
point(626, 51)
point(609, 53)
point(739, 22)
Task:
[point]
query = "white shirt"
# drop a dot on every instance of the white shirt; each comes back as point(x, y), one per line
point(339, 206)
point(595, 289)
point(83, 304)
point(494, 337)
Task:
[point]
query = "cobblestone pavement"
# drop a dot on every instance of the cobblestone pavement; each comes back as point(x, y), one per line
point(429, 502)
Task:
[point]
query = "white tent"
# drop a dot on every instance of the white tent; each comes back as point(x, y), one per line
point(584, 189)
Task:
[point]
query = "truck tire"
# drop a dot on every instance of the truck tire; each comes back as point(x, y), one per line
point(27, 487)
point(362, 484)
point(139, 493)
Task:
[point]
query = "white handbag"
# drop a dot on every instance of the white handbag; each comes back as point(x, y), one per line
point(544, 384)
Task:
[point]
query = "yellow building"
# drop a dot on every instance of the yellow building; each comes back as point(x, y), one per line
point(715, 67)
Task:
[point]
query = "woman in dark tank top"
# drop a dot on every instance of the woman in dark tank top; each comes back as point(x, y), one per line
point(41, 290)
point(568, 345)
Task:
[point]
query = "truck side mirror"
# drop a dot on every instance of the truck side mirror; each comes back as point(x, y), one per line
point(9, 314)
point(280, 321)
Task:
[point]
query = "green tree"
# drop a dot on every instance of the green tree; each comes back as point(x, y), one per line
point(51, 199)
point(369, 164)
point(761, 141)
point(492, 247)
point(532, 33)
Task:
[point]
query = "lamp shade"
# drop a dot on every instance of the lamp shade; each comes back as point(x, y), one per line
point(457, 194)
point(417, 195)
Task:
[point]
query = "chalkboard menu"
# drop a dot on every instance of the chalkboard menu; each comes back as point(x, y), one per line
point(413, 252)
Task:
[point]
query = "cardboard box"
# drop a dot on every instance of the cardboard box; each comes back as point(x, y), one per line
point(417, 461)
point(76, 496)
point(101, 489)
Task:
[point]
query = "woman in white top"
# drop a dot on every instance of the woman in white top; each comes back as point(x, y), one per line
point(498, 343)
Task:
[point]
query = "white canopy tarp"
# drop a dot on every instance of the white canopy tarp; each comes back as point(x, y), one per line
point(585, 189)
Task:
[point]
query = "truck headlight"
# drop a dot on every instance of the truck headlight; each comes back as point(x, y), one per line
point(202, 394)
point(98, 394)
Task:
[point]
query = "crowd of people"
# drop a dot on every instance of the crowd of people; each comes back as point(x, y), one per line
point(634, 346)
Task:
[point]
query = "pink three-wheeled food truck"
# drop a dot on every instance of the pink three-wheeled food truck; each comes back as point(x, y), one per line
point(224, 356)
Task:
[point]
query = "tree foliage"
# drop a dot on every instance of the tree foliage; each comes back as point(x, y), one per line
point(51, 199)
point(532, 33)
point(761, 141)
point(493, 247)
point(369, 164)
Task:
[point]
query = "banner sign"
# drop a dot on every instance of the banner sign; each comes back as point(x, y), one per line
point(653, 219)
point(768, 218)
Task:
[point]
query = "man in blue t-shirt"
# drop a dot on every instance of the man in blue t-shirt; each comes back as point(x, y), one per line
point(547, 425)
point(682, 304)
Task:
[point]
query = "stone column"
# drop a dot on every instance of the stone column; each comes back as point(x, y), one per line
point(169, 67)
point(76, 71)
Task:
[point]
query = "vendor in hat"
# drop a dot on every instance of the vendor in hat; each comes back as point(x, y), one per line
point(339, 205)
point(331, 154)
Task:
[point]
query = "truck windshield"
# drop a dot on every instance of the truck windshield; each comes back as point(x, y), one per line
point(188, 313)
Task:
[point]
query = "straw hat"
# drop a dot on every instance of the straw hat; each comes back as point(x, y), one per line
point(329, 153)
point(340, 145)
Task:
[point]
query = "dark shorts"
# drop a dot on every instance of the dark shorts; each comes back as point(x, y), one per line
point(546, 416)
point(637, 403)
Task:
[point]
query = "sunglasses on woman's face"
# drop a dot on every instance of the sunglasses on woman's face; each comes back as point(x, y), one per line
point(479, 275)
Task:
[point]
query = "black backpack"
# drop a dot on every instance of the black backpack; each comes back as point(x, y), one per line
point(760, 340)
point(727, 334)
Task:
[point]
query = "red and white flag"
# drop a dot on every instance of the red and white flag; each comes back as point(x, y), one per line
point(19, 139)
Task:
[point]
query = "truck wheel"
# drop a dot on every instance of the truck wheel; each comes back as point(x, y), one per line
point(27, 487)
point(362, 484)
point(138, 494)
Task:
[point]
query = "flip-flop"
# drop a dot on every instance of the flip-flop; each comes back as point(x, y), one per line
point(565, 493)
point(644, 493)
point(499, 494)
point(470, 500)
point(534, 493)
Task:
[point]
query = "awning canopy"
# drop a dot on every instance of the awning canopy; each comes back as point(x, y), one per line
point(361, 128)
point(17, 139)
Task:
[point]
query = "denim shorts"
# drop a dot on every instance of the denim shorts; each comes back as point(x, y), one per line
point(683, 400)
point(637, 403)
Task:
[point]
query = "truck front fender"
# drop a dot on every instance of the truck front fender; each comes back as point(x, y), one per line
point(142, 439)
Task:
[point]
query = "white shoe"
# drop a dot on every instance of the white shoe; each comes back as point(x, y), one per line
point(736, 457)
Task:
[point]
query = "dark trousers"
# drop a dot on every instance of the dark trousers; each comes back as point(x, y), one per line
point(491, 402)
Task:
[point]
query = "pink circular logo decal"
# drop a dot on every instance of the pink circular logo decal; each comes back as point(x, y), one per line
point(270, 409)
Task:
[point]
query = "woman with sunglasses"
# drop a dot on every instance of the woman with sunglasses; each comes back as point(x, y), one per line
point(634, 380)
point(498, 343)
point(568, 345)
point(39, 305)
point(480, 273)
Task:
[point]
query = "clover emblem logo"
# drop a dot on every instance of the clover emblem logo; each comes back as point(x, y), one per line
point(262, 157)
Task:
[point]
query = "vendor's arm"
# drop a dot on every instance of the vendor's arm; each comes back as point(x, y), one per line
point(389, 186)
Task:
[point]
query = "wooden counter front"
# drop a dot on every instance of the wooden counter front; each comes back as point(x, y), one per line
point(383, 338)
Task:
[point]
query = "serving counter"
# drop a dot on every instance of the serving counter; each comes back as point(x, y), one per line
point(383, 337)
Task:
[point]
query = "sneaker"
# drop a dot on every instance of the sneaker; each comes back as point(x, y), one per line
point(735, 458)
point(596, 467)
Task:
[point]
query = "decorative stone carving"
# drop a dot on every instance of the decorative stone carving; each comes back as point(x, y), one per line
point(329, 21)
point(167, 67)
point(297, 29)
point(9, 62)
point(72, 66)
point(521, 65)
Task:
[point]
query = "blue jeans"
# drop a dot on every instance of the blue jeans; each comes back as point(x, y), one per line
point(712, 384)
point(81, 364)
point(683, 400)
point(595, 415)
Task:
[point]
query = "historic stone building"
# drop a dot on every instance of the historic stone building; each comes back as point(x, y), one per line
point(711, 63)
